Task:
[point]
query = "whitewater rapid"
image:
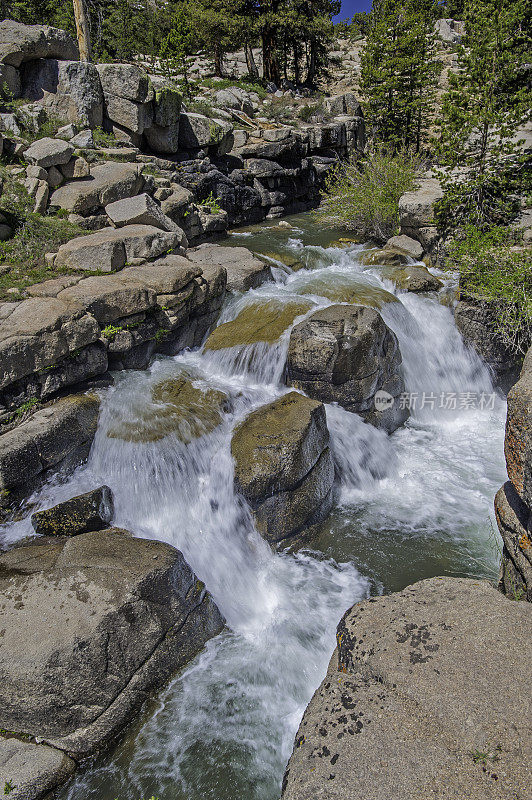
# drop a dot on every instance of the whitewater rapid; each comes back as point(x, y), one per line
point(413, 504)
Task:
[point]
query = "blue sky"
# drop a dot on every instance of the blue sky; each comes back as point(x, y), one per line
point(350, 6)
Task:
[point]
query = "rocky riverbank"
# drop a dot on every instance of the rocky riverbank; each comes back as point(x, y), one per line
point(426, 694)
point(93, 620)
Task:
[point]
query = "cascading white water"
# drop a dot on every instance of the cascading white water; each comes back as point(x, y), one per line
point(224, 728)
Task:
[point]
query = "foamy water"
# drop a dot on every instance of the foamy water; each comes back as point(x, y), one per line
point(224, 728)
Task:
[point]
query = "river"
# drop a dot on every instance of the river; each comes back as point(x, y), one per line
point(411, 505)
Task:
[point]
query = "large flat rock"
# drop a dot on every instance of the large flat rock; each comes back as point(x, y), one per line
point(427, 695)
point(110, 249)
point(90, 626)
point(20, 43)
point(107, 183)
point(39, 332)
point(110, 297)
point(32, 770)
point(244, 270)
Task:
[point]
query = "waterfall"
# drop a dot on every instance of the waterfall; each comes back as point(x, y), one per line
point(413, 503)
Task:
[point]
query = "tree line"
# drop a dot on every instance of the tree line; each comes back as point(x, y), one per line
point(293, 34)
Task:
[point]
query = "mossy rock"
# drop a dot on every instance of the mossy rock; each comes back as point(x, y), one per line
point(257, 322)
point(345, 289)
point(178, 407)
point(346, 241)
point(412, 279)
point(293, 263)
point(388, 258)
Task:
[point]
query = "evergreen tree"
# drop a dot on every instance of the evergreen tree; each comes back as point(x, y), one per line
point(488, 99)
point(177, 47)
point(217, 28)
point(399, 70)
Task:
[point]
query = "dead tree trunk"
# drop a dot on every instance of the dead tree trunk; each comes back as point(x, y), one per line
point(82, 30)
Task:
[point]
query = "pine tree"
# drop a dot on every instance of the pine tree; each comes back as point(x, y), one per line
point(177, 47)
point(398, 72)
point(489, 98)
point(217, 28)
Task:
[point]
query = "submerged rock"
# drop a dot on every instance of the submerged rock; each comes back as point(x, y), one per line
point(284, 467)
point(178, 407)
point(257, 322)
point(293, 263)
point(426, 695)
point(91, 511)
point(345, 289)
point(345, 355)
point(114, 617)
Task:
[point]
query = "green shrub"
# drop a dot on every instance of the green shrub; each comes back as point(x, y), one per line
point(492, 270)
point(312, 109)
point(365, 196)
point(201, 107)
point(102, 138)
point(33, 236)
point(212, 203)
point(248, 84)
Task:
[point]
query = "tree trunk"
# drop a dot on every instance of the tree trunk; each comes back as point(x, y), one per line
point(269, 58)
point(311, 72)
point(82, 30)
point(297, 75)
point(250, 61)
point(218, 58)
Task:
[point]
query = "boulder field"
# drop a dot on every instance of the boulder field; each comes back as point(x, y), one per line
point(208, 174)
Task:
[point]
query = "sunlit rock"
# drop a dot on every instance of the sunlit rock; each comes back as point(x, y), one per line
point(345, 289)
point(257, 322)
point(348, 355)
point(284, 466)
point(412, 279)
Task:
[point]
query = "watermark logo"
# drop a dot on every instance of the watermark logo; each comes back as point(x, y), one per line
point(383, 400)
point(449, 401)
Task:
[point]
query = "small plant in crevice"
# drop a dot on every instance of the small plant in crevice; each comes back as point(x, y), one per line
point(110, 331)
point(161, 334)
point(211, 203)
point(26, 406)
point(103, 138)
point(481, 757)
point(9, 787)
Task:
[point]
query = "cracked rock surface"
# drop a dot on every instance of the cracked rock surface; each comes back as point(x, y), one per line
point(427, 695)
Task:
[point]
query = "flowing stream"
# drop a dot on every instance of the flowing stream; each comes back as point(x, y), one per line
point(411, 505)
